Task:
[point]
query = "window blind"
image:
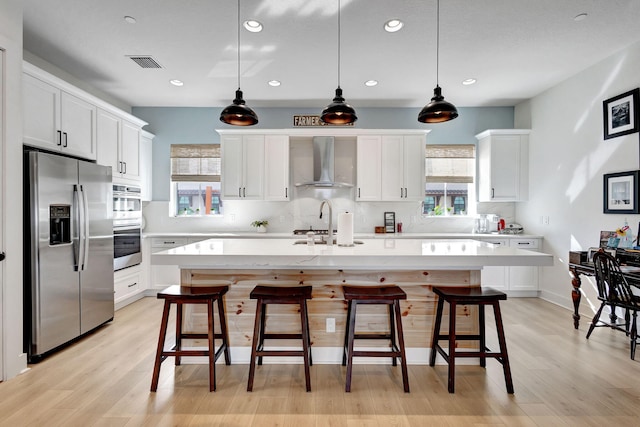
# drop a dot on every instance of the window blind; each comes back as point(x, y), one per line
point(450, 163)
point(195, 162)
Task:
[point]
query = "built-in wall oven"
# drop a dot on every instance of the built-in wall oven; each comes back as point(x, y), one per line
point(127, 224)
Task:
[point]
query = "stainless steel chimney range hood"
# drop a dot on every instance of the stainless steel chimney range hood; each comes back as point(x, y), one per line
point(323, 165)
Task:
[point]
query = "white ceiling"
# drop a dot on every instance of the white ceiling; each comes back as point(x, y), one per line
point(516, 49)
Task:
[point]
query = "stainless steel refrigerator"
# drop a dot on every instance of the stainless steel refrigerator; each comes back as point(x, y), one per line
point(68, 250)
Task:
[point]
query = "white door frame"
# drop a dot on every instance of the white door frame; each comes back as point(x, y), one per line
point(2, 196)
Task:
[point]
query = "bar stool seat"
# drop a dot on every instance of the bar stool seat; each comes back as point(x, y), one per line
point(180, 295)
point(391, 296)
point(469, 296)
point(280, 295)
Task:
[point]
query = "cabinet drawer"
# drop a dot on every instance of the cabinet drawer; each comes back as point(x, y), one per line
point(168, 242)
point(126, 286)
point(525, 243)
point(495, 241)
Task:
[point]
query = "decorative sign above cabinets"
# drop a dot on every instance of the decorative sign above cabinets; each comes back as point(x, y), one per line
point(312, 121)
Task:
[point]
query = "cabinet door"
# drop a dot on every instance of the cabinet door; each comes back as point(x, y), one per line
point(232, 167)
point(253, 175)
point(495, 277)
point(78, 125)
point(130, 151)
point(41, 113)
point(524, 278)
point(146, 166)
point(276, 176)
point(414, 164)
point(505, 167)
point(108, 137)
point(126, 285)
point(392, 168)
point(368, 160)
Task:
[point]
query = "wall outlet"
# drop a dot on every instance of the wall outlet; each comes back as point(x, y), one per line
point(232, 217)
point(331, 324)
point(545, 220)
point(281, 218)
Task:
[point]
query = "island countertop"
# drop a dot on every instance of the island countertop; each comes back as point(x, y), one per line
point(387, 254)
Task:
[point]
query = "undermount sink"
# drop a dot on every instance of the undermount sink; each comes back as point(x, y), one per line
point(323, 242)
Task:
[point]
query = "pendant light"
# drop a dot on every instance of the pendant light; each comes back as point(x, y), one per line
point(238, 114)
point(438, 110)
point(338, 112)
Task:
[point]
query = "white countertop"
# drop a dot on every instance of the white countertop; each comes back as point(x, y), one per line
point(255, 235)
point(380, 254)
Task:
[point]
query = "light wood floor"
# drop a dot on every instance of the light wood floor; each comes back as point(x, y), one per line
point(560, 379)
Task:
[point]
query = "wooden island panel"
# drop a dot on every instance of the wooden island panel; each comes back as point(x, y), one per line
point(418, 311)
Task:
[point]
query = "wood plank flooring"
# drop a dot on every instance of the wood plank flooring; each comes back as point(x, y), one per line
point(560, 379)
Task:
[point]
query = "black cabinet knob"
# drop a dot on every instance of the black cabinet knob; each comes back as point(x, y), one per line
point(1, 256)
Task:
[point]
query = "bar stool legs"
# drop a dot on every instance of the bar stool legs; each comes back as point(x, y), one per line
point(280, 295)
point(389, 295)
point(469, 296)
point(196, 295)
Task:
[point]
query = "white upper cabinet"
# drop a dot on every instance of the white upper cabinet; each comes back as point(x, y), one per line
point(119, 146)
point(276, 167)
point(242, 167)
point(390, 167)
point(146, 165)
point(403, 163)
point(503, 165)
point(368, 163)
point(56, 120)
point(60, 117)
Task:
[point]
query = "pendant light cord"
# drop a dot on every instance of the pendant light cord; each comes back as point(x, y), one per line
point(437, 42)
point(238, 44)
point(338, 43)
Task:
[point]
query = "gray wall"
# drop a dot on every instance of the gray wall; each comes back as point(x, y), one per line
point(179, 125)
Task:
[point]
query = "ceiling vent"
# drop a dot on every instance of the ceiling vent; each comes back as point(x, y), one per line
point(145, 61)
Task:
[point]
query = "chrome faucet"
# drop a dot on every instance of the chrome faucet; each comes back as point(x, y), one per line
point(330, 231)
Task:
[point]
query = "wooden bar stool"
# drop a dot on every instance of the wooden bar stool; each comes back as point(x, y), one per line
point(469, 296)
point(391, 296)
point(193, 295)
point(280, 295)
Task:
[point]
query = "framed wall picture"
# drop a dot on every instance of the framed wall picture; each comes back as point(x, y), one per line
point(621, 192)
point(390, 222)
point(620, 114)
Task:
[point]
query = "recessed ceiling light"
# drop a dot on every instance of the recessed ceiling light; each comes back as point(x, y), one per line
point(468, 82)
point(176, 82)
point(130, 19)
point(580, 17)
point(252, 26)
point(393, 25)
point(274, 83)
point(371, 83)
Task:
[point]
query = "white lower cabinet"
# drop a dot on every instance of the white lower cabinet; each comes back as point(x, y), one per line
point(515, 281)
point(128, 286)
point(163, 276)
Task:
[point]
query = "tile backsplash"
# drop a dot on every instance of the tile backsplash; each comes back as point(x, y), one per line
point(303, 211)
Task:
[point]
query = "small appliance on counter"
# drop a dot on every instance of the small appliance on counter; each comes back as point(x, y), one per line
point(512, 228)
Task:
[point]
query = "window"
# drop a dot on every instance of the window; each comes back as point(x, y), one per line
point(450, 173)
point(195, 179)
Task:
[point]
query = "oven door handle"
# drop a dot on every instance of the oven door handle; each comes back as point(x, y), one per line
point(127, 227)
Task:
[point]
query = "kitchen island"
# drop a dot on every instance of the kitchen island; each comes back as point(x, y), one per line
point(413, 264)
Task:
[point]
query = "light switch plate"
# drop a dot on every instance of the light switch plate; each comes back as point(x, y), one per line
point(331, 324)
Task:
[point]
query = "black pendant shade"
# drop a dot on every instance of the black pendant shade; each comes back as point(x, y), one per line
point(238, 114)
point(438, 110)
point(338, 112)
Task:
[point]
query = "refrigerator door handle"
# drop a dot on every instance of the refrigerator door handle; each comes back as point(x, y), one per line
point(78, 243)
point(85, 237)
